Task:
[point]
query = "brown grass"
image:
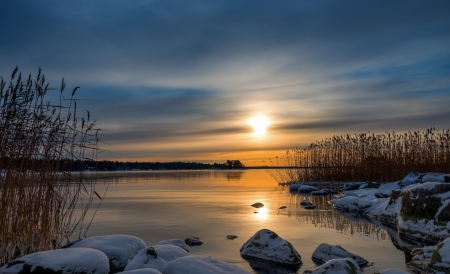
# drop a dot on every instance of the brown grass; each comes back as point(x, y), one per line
point(383, 157)
point(39, 142)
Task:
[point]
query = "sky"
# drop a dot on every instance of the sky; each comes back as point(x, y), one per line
point(179, 80)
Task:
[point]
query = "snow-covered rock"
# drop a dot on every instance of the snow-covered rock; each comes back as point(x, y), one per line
point(412, 178)
point(305, 203)
point(267, 245)
point(369, 185)
point(175, 242)
point(385, 190)
point(294, 187)
point(306, 189)
point(258, 205)
point(319, 193)
point(336, 266)
point(193, 241)
point(392, 271)
point(120, 249)
point(349, 193)
point(440, 259)
point(142, 271)
point(436, 177)
point(325, 252)
point(76, 261)
point(421, 257)
point(352, 203)
point(156, 257)
point(198, 264)
point(329, 190)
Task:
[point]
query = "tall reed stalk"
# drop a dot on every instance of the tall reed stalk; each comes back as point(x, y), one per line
point(39, 188)
point(383, 157)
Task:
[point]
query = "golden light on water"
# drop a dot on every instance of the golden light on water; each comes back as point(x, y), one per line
point(259, 124)
point(262, 213)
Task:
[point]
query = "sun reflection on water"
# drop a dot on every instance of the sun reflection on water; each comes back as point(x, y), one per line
point(262, 213)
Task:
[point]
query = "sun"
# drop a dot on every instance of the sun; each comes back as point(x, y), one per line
point(259, 124)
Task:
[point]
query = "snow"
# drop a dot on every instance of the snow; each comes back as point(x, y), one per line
point(325, 252)
point(443, 249)
point(156, 257)
point(267, 245)
point(120, 249)
point(352, 203)
point(198, 264)
point(336, 266)
point(349, 193)
point(175, 242)
point(79, 260)
point(392, 271)
point(434, 177)
point(385, 190)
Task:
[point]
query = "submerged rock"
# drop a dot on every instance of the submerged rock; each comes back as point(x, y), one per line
point(258, 205)
point(120, 249)
point(68, 260)
point(336, 266)
point(231, 237)
point(198, 264)
point(282, 207)
point(268, 246)
point(193, 241)
point(440, 259)
point(310, 207)
point(325, 252)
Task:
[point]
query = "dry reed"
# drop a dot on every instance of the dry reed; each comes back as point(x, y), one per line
point(39, 188)
point(366, 157)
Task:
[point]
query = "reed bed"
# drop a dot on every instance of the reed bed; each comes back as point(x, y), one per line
point(363, 157)
point(39, 186)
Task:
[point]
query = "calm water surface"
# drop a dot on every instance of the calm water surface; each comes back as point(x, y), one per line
point(159, 205)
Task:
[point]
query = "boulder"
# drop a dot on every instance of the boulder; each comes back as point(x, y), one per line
point(175, 242)
point(199, 264)
point(436, 177)
point(349, 193)
point(194, 241)
point(325, 252)
point(156, 257)
point(306, 189)
point(336, 266)
point(412, 178)
point(120, 249)
point(268, 246)
point(319, 193)
point(65, 261)
point(440, 259)
point(385, 190)
point(369, 185)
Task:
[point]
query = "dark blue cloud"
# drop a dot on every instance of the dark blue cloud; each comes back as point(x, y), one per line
point(167, 71)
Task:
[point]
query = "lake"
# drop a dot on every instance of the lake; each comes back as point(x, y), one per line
point(159, 205)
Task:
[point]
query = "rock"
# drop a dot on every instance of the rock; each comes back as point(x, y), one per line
point(282, 207)
point(268, 246)
point(349, 193)
point(310, 207)
point(412, 178)
point(440, 259)
point(319, 193)
point(68, 260)
point(392, 271)
point(193, 241)
point(421, 257)
point(330, 191)
point(231, 237)
point(385, 190)
point(325, 252)
point(295, 187)
point(142, 271)
point(258, 205)
point(305, 203)
point(352, 186)
point(198, 264)
point(156, 257)
point(351, 203)
point(306, 189)
point(436, 177)
point(336, 266)
point(175, 242)
point(369, 185)
point(120, 249)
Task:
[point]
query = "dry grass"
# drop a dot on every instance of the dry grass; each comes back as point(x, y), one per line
point(39, 141)
point(366, 157)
